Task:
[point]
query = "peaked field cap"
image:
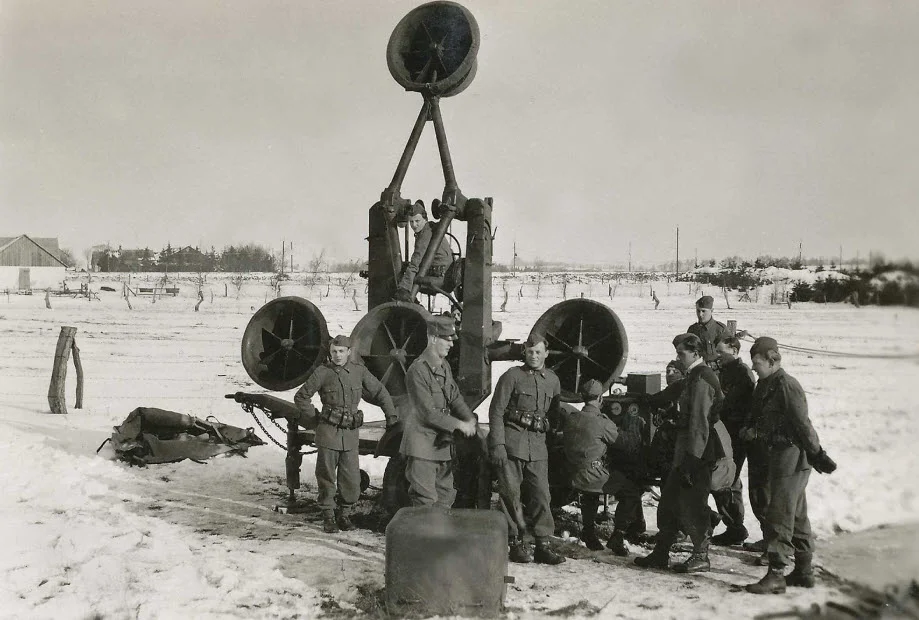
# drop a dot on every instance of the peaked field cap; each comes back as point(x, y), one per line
point(763, 345)
point(706, 301)
point(689, 339)
point(535, 339)
point(442, 327)
point(591, 389)
point(341, 341)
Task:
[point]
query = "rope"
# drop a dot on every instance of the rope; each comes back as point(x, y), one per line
point(880, 356)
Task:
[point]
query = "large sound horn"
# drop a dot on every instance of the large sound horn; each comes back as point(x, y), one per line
point(586, 341)
point(285, 340)
point(433, 49)
point(388, 339)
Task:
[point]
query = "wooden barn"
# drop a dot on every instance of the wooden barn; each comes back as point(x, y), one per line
point(27, 263)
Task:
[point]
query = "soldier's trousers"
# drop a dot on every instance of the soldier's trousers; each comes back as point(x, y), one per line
point(430, 483)
point(685, 508)
point(337, 469)
point(524, 490)
point(730, 501)
point(788, 529)
point(758, 480)
point(629, 516)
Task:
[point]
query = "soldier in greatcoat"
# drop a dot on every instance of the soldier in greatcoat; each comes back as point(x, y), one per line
point(684, 496)
point(737, 383)
point(524, 405)
point(436, 411)
point(341, 384)
point(793, 449)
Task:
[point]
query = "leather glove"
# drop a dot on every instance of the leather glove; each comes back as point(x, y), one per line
point(822, 462)
point(499, 456)
point(403, 294)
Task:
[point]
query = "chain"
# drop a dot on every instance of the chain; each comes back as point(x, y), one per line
point(249, 408)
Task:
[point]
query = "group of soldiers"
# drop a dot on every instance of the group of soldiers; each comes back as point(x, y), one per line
point(719, 413)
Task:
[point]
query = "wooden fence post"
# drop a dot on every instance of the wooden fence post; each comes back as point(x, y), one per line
point(66, 344)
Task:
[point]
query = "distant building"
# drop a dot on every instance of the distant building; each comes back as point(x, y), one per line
point(27, 263)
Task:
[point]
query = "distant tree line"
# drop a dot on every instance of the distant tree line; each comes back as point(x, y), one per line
point(243, 258)
point(866, 284)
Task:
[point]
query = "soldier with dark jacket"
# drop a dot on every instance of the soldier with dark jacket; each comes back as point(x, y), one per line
point(587, 436)
point(707, 329)
point(737, 383)
point(780, 405)
point(443, 258)
point(341, 384)
point(436, 411)
point(684, 496)
point(525, 399)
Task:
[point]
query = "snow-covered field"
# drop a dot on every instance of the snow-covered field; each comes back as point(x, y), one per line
point(86, 537)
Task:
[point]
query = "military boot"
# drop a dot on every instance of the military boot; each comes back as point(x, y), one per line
point(589, 538)
point(659, 556)
point(803, 574)
point(589, 504)
point(697, 562)
point(344, 519)
point(329, 523)
point(774, 580)
point(616, 543)
point(519, 551)
point(731, 536)
point(545, 555)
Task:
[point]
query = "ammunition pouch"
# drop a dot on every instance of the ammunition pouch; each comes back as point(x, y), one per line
point(530, 420)
point(342, 417)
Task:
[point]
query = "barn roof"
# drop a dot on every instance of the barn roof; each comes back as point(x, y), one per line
point(42, 243)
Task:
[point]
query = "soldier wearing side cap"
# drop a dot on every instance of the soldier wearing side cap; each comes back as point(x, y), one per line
point(707, 329)
point(588, 434)
point(436, 411)
point(341, 384)
point(780, 413)
point(443, 258)
point(524, 406)
point(684, 495)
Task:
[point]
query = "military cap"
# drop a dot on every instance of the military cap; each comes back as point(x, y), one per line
point(418, 209)
point(341, 341)
point(535, 339)
point(706, 301)
point(763, 345)
point(689, 341)
point(442, 327)
point(591, 389)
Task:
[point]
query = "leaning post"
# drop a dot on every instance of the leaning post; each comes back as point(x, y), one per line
point(66, 344)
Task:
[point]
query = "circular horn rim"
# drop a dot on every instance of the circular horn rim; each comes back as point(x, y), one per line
point(401, 37)
point(367, 340)
point(253, 351)
point(554, 321)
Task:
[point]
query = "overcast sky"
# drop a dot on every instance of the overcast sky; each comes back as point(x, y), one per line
point(752, 126)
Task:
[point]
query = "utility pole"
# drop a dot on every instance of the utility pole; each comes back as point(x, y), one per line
point(514, 260)
point(283, 244)
point(677, 252)
point(697, 258)
point(800, 251)
point(291, 256)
